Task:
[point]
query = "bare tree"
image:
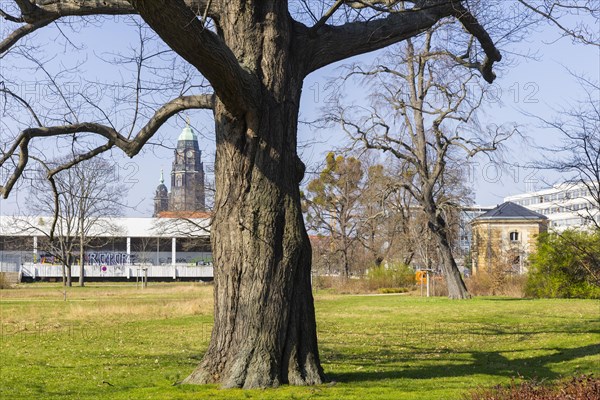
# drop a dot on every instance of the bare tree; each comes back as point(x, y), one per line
point(74, 203)
point(144, 247)
point(323, 261)
point(387, 216)
point(377, 229)
point(255, 55)
point(417, 238)
point(423, 114)
point(353, 210)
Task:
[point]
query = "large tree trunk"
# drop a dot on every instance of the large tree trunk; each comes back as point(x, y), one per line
point(456, 286)
point(265, 329)
point(437, 226)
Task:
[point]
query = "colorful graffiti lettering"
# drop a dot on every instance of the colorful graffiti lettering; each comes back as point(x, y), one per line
point(107, 259)
point(93, 259)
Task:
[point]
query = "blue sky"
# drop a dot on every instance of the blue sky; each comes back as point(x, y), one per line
point(533, 86)
point(537, 86)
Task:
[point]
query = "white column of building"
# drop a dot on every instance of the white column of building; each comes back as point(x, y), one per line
point(173, 251)
point(35, 250)
point(128, 262)
point(128, 251)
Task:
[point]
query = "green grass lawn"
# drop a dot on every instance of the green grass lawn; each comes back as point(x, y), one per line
point(119, 342)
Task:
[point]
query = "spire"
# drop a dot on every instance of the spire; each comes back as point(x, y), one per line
point(162, 177)
point(187, 133)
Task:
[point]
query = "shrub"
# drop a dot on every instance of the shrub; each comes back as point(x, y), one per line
point(341, 285)
point(390, 276)
point(3, 282)
point(439, 286)
point(483, 284)
point(577, 388)
point(392, 290)
point(566, 265)
point(395, 278)
point(321, 282)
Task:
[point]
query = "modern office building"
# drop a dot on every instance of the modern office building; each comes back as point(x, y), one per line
point(568, 205)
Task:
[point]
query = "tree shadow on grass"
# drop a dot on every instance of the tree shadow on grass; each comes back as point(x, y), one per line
point(482, 362)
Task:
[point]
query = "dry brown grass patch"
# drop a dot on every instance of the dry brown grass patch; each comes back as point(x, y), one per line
point(3, 283)
point(485, 284)
point(140, 310)
point(45, 304)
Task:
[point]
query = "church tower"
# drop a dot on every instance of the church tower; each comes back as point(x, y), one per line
point(187, 174)
point(161, 197)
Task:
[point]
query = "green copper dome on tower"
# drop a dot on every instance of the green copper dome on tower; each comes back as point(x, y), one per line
point(187, 133)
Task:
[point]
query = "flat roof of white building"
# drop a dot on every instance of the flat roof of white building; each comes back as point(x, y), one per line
point(110, 227)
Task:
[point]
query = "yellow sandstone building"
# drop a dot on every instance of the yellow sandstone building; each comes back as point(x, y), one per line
point(504, 237)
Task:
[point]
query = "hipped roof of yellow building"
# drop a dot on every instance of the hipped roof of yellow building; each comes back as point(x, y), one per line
point(510, 210)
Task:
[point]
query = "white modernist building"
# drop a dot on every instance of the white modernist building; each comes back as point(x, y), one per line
point(118, 248)
point(566, 205)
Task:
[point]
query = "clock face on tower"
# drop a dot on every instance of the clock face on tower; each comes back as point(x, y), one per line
point(189, 154)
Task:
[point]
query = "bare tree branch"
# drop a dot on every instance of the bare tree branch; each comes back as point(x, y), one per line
point(334, 43)
point(548, 11)
point(205, 50)
point(8, 92)
point(325, 17)
point(21, 32)
point(472, 25)
point(130, 146)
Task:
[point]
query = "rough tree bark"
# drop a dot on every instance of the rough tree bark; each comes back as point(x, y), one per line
point(265, 331)
point(438, 227)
